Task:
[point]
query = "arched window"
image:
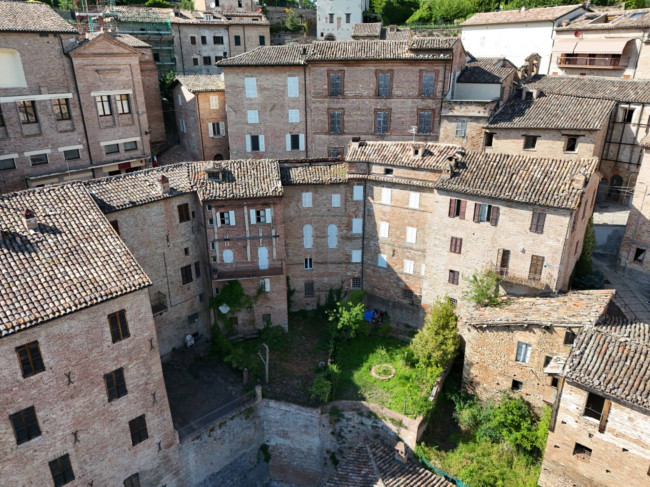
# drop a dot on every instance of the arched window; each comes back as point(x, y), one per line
point(11, 68)
point(330, 37)
point(332, 234)
point(307, 236)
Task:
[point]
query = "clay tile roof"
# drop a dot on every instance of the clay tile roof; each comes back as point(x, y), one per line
point(127, 39)
point(578, 308)
point(268, 56)
point(141, 14)
point(374, 465)
point(32, 17)
point(435, 156)
point(528, 180)
point(367, 30)
point(202, 83)
point(486, 70)
point(396, 35)
point(72, 260)
point(319, 173)
point(431, 43)
point(244, 179)
point(612, 358)
point(628, 19)
point(621, 90)
point(554, 112)
point(645, 141)
point(543, 14)
point(245, 18)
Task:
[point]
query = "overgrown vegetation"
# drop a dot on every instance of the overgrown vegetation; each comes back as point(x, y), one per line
point(584, 276)
point(233, 296)
point(158, 4)
point(165, 84)
point(187, 4)
point(483, 288)
point(436, 343)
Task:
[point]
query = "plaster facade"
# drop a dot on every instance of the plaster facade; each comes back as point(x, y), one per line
point(335, 18)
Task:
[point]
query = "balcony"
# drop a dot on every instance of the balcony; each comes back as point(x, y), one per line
point(241, 271)
point(528, 280)
point(592, 61)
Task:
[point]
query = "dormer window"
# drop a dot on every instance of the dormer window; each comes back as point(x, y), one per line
point(207, 17)
point(388, 171)
point(216, 174)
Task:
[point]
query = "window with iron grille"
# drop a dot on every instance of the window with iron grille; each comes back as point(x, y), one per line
point(537, 222)
point(262, 40)
point(427, 84)
point(237, 40)
point(461, 128)
point(138, 428)
point(204, 40)
point(336, 84)
point(309, 289)
point(118, 325)
point(183, 213)
point(454, 277)
point(128, 146)
point(207, 60)
point(536, 267)
point(217, 40)
point(407, 294)
point(111, 149)
point(348, 18)
point(103, 103)
point(61, 109)
point(61, 470)
point(383, 84)
point(132, 481)
point(115, 384)
point(456, 245)
point(27, 112)
point(186, 274)
point(381, 121)
point(25, 425)
point(331, 18)
point(123, 103)
point(356, 283)
point(31, 361)
point(336, 122)
point(193, 40)
point(425, 122)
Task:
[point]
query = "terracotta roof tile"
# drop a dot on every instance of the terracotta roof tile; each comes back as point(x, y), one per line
point(72, 260)
point(319, 173)
point(372, 29)
point(127, 39)
point(621, 90)
point(543, 14)
point(486, 70)
point(244, 179)
point(32, 17)
point(554, 112)
point(434, 156)
point(202, 83)
point(628, 19)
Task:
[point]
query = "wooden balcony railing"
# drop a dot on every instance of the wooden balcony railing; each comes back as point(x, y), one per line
point(577, 61)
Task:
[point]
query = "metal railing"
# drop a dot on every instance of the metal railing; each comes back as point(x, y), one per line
point(205, 422)
point(593, 62)
point(245, 270)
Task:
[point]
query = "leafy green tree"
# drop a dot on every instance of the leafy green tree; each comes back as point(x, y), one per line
point(442, 11)
point(66, 4)
point(158, 4)
point(436, 343)
point(483, 288)
point(346, 321)
point(292, 22)
point(394, 11)
point(187, 4)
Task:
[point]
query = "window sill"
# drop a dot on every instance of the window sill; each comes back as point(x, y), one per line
point(531, 150)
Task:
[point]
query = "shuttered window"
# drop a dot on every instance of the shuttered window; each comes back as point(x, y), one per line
point(382, 121)
point(414, 200)
point(115, 384)
point(461, 128)
point(381, 260)
point(383, 229)
point(427, 84)
point(411, 235)
point(253, 116)
point(292, 87)
point(336, 124)
point(250, 85)
point(536, 267)
point(383, 84)
point(336, 84)
point(537, 222)
point(386, 196)
point(456, 245)
point(214, 102)
point(425, 122)
point(332, 236)
point(336, 201)
point(118, 325)
point(409, 265)
point(356, 256)
point(453, 277)
point(523, 352)
point(306, 200)
point(31, 361)
point(486, 213)
point(457, 208)
point(307, 236)
point(357, 194)
point(294, 116)
point(25, 425)
point(357, 225)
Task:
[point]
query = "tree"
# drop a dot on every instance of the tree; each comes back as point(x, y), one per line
point(187, 4)
point(394, 11)
point(158, 4)
point(442, 11)
point(346, 321)
point(483, 288)
point(436, 343)
point(292, 22)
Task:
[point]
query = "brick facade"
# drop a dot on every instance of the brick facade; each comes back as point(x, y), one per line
point(470, 114)
point(190, 50)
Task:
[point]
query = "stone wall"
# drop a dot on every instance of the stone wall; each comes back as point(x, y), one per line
point(551, 143)
point(189, 57)
point(474, 113)
point(249, 35)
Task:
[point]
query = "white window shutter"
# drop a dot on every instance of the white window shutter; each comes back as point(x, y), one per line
point(383, 229)
point(292, 87)
point(250, 85)
point(414, 200)
point(356, 256)
point(306, 200)
point(332, 236)
point(386, 196)
point(302, 141)
point(214, 102)
point(262, 146)
point(180, 99)
point(294, 116)
point(248, 143)
point(222, 128)
point(218, 219)
point(408, 266)
point(423, 269)
point(267, 285)
point(253, 116)
point(307, 236)
point(381, 260)
point(253, 217)
point(336, 200)
point(358, 193)
point(211, 129)
point(411, 234)
point(357, 224)
point(231, 215)
point(269, 215)
point(287, 139)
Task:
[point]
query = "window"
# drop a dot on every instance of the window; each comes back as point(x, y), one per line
point(61, 470)
point(204, 40)
point(195, 61)
point(383, 229)
point(332, 236)
point(38, 159)
point(386, 195)
point(569, 337)
point(486, 213)
point(582, 452)
point(255, 143)
point(516, 385)
point(253, 116)
point(29, 356)
point(262, 40)
point(307, 236)
point(197, 269)
point(407, 294)
point(226, 218)
point(331, 18)
point(488, 139)
point(357, 225)
point(457, 208)
point(306, 200)
point(8, 163)
point(414, 200)
point(547, 360)
point(116, 226)
point(260, 216)
point(132, 481)
point(456, 245)
point(639, 255)
point(335, 83)
point(356, 256)
point(138, 427)
point(336, 201)
point(111, 148)
point(294, 116)
point(266, 319)
point(216, 129)
point(123, 103)
point(381, 261)
point(453, 277)
point(217, 40)
point(71, 154)
point(383, 84)
point(309, 289)
point(27, 112)
point(129, 146)
point(425, 122)
point(207, 60)
point(228, 256)
point(411, 235)
point(594, 406)
point(265, 285)
point(2, 118)
point(503, 262)
point(382, 121)
point(356, 283)
point(461, 128)
point(554, 382)
point(357, 193)
point(309, 264)
point(293, 142)
point(61, 109)
point(115, 384)
point(336, 122)
point(118, 326)
point(335, 152)
point(250, 85)
point(292, 87)
point(571, 144)
point(183, 213)
point(536, 266)
point(25, 425)
point(427, 84)
point(628, 115)
point(348, 18)
point(237, 40)
point(409, 265)
point(156, 57)
point(537, 222)
point(182, 125)
point(186, 274)
point(388, 171)
point(530, 142)
point(523, 352)
point(103, 103)
point(193, 40)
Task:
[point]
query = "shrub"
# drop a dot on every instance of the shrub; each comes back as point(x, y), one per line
point(346, 321)
point(157, 4)
point(221, 346)
point(187, 4)
point(483, 288)
point(321, 389)
point(436, 343)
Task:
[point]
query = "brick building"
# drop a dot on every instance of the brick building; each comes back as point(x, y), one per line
point(81, 383)
point(600, 426)
point(605, 43)
point(200, 109)
point(322, 92)
point(509, 348)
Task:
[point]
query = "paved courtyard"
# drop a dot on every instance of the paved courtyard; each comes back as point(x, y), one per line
point(632, 297)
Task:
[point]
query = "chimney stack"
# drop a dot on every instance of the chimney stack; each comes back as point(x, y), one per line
point(417, 149)
point(578, 181)
point(163, 183)
point(400, 453)
point(29, 217)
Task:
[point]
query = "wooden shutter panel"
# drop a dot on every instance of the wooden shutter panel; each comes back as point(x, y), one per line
point(287, 142)
point(604, 415)
point(218, 216)
point(248, 143)
point(301, 139)
point(463, 207)
point(452, 244)
point(211, 129)
point(459, 245)
point(533, 222)
point(452, 205)
point(262, 146)
point(222, 128)
point(269, 215)
point(494, 216)
point(477, 212)
point(540, 222)
point(231, 215)
point(253, 218)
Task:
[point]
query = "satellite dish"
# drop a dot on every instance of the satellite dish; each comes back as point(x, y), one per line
point(212, 5)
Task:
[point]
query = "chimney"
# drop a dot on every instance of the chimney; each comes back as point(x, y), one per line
point(400, 453)
point(578, 181)
point(163, 183)
point(417, 149)
point(29, 217)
